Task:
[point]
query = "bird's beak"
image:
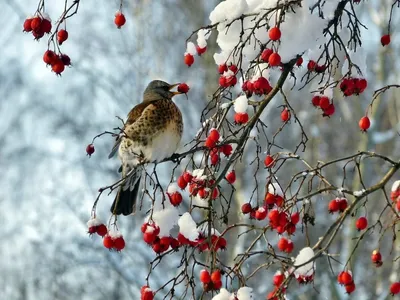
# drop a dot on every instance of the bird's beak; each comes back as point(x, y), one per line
point(172, 86)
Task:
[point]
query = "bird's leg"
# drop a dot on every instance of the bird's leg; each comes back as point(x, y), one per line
point(175, 158)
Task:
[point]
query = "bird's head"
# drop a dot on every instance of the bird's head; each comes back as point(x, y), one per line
point(157, 89)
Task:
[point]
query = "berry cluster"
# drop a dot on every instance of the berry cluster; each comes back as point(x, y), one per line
point(38, 25)
point(324, 103)
point(228, 75)
point(338, 204)
point(112, 240)
point(159, 244)
point(353, 86)
point(211, 281)
point(41, 24)
point(259, 86)
point(313, 66)
point(346, 278)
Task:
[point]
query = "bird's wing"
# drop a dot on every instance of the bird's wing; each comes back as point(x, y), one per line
point(133, 115)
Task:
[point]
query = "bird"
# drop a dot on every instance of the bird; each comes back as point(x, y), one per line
point(151, 133)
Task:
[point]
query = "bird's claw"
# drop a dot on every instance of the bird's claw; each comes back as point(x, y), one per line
point(175, 158)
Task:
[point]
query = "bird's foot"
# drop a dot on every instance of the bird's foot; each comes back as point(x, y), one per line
point(175, 158)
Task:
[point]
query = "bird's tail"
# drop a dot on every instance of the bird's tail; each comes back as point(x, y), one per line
point(125, 200)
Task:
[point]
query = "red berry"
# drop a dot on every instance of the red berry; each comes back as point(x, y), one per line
point(266, 54)
point(174, 243)
point(175, 198)
point(289, 247)
point(49, 57)
point(46, 25)
point(350, 287)
point(119, 19)
point(216, 276)
point(282, 244)
point(299, 61)
point(345, 278)
point(269, 161)
point(261, 213)
point(214, 159)
point(221, 243)
point(90, 149)
point(58, 67)
point(205, 276)
point(188, 59)
point(108, 242)
point(165, 242)
point(285, 115)
point(62, 36)
point(226, 149)
point(320, 69)
point(364, 123)
point(274, 33)
point(395, 288)
point(290, 228)
point(278, 278)
point(270, 199)
point(101, 230)
point(35, 23)
point(231, 81)
point(202, 193)
point(241, 118)
point(38, 33)
point(65, 59)
point(217, 285)
point(274, 60)
point(222, 81)
point(385, 40)
point(376, 258)
point(92, 229)
point(149, 237)
point(398, 205)
point(147, 294)
point(361, 223)
point(361, 85)
point(119, 243)
point(215, 193)
point(222, 68)
point(246, 208)
point(324, 102)
point(187, 176)
point(343, 204)
point(233, 68)
point(315, 100)
point(27, 25)
point(334, 206)
point(214, 135)
point(273, 217)
point(183, 88)
point(181, 182)
point(210, 143)
point(295, 218)
point(329, 111)
point(311, 65)
point(200, 50)
point(231, 177)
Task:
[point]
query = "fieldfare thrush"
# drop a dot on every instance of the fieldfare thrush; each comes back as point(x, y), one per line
point(151, 133)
